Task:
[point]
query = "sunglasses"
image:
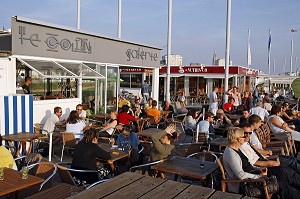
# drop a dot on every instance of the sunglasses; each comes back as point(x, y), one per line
point(248, 132)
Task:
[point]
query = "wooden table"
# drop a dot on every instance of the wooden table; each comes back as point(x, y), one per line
point(146, 134)
point(102, 116)
point(13, 182)
point(221, 130)
point(60, 191)
point(220, 142)
point(114, 157)
point(132, 185)
point(140, 123)
point(188, 167)
point(21, 139)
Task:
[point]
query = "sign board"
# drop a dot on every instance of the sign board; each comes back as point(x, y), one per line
point(32, 38)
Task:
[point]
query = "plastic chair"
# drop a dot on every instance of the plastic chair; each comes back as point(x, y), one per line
point(69, 142)
point(31, 160)
point(96, 183)
point(145, 167)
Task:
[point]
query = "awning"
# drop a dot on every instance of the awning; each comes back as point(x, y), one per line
point(220, 76)
point(62, 69)
point(171, 75)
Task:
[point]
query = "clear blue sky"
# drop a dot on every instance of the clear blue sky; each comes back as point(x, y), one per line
point(198, 29)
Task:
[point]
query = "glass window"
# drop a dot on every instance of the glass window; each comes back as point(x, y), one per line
point(125, 80)
point(136, 80)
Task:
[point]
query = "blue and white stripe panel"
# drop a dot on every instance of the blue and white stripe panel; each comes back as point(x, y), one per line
point(17, 114)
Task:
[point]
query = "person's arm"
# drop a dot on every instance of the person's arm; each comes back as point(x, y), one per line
point(261, 151)
point(268, 163)
point(131, 117)
point(283, 125)
point(227, 120)
point(110, 125)
point(134, 141)
point(284, 114)
point(161, 148)
point(101, 153)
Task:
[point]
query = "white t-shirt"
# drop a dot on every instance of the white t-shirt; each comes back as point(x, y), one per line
point(249, 153)
point(255, 141)
point(49, 125)
point(213, 96)
point(76, 128)
point(261, 112)
point(83, 114)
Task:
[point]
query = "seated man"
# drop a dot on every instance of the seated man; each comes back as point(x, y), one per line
point(127, 139)
point(6, 159)
point(205, 125)
point(286, 169)
point(221, 118)
point(261, 112)
point(154, 112)
point(229, 107)
point(81, 112)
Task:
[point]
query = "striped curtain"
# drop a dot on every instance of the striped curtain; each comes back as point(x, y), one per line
point(16, 114)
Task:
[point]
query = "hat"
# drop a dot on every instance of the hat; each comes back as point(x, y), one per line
point(220, 111)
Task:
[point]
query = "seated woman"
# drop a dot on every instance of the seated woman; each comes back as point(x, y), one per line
point(168, 107)
point(87, 151)
point(127, 139)
point(126, 115)
point(163, 143)
point(287, 116)
point(109, 126)
point(236, 163)
point(278, 125)
point(75, 125)
point(192, 119)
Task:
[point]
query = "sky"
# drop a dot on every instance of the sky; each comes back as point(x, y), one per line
point(198, 26)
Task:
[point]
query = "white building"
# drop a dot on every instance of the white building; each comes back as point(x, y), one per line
point(175, 60)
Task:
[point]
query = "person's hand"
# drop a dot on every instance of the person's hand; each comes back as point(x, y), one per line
point(263, 171)
point(170, 129)
point(270, 152)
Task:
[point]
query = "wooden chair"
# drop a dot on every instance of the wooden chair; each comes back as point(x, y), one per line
point(225, 180)
point(69, 141)
point(180, 122)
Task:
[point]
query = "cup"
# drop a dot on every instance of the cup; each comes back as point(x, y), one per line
point(1, 173)
point(25, 171)
point(112, 141)
point(202, 160)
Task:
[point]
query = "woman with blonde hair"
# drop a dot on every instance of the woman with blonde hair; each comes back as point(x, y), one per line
point(236, 163)
point(110, 125)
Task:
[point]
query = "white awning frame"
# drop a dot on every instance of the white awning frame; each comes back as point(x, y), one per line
point(63, 68)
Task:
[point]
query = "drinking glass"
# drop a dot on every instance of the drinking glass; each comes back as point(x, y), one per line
point(112, 141)
point(202, 160)
point(25, 171)
point(1, 173)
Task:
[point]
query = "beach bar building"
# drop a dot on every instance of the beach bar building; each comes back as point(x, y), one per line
point(57, 58)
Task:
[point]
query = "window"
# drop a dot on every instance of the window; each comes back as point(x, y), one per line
point(131, 80)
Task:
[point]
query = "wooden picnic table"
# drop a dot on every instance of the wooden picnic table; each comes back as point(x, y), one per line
point(60, 191)
point(21, 139)
point(188, 167)
point(133, 185)
point(13, 182)
point(146, 134)
point(116, 154)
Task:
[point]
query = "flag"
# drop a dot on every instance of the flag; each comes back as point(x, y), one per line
point(269, 50)
point(249, 50)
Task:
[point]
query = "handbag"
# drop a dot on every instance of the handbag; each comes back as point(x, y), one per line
point(256, 189)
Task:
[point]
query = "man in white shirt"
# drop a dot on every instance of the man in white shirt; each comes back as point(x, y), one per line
point(205, 126)
point(81, 112)
point(213, 101)
point(261, 112)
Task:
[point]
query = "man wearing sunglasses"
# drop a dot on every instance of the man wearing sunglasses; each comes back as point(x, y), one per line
point(127, 139)
point(285, 168)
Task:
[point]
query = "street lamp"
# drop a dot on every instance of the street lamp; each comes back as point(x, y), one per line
point(292, 50)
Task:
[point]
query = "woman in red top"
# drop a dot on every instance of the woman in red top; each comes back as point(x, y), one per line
point(126, 115)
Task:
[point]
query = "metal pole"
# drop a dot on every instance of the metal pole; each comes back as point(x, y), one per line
point(292, 50)
point(78, 14)
point(227, 51)
point(79, 81)
point(169, 48)
point(120, 19)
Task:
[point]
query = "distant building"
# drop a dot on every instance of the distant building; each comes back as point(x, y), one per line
point(175, 60)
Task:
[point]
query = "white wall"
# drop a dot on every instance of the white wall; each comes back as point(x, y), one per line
point(42, 109)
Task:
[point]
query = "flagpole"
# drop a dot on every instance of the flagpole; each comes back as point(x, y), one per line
point(248, 51)
point(227, 51)
point(269, 52)
point(292, 50)
point(120, 19)
point(169, 49)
